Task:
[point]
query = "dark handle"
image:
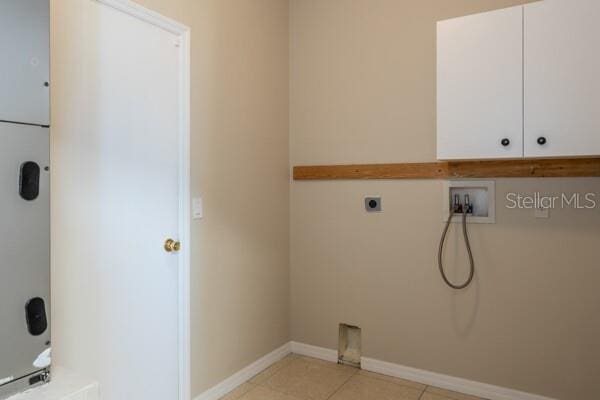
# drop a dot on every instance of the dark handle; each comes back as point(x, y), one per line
point(29, 181)
point(542, 141)
point(505, 142)
point(35, 315)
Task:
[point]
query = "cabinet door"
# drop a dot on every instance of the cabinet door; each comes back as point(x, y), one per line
point(480, 86)
point(562, 78)
point(24, 64)
point(25, 246)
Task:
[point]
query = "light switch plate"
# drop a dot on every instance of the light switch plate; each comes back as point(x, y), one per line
point(197, 209)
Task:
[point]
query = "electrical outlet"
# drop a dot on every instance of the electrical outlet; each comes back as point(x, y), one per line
point(373, 204)
point(542, 213)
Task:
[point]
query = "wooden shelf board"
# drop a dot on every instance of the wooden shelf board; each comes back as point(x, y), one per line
point(539, 168)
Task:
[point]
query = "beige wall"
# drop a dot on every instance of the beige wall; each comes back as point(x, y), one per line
point(363, 90)
point(240, 257)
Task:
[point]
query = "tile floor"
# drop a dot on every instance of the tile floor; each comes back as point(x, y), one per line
point(302, 378)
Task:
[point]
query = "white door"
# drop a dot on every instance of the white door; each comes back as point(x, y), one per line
point(562, 85)
point(480, 86)
point(117, 166)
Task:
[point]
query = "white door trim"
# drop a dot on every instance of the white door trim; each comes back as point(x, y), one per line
point(147, 15)
point(184, 293)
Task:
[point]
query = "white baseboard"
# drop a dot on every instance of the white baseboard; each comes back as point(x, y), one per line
point(465, 386)
point(314, 351)
point(240, 377)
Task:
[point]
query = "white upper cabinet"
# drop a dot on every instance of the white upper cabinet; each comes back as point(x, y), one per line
point(520, 82)
point(25, 61)
point(562, 78)
point(480, 86)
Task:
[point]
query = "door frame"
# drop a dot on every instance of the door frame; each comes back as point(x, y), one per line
point(183, 34)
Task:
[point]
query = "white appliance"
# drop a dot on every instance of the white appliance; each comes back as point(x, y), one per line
point(24, 195)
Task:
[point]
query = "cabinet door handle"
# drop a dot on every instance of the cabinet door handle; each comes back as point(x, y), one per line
point(505, 142)
point(542, 141)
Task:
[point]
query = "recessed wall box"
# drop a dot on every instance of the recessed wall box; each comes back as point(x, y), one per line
point(481, 195)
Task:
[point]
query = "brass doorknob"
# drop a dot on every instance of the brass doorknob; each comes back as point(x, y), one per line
point(172, 246)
